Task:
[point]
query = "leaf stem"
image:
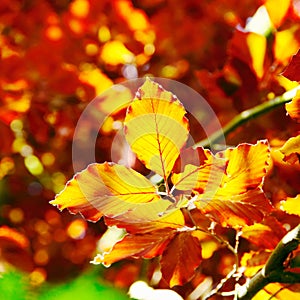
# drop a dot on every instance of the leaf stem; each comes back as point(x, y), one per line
point(247, 115)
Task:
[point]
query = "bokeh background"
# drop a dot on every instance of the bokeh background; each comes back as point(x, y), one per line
point(57, 56)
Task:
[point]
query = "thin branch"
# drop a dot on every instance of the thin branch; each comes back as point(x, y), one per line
point(274, 270)
point(247, 115)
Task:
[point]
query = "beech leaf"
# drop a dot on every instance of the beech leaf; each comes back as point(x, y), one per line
point(111, 190)
point(156, 127)
point(291, 150)
point(228, 185)
point(144, 245)
point(180, 259)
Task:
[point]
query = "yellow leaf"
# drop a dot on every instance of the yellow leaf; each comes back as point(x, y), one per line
point(291, 150)
point(156, 128)
point(277, 291)
point(293, 108)
point(257, 45)
point(291, 205)
point(253, 261)
point(277, 10)
point(114, 191)
point(283, 53)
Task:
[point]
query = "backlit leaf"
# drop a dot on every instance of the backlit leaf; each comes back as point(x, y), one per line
point(253, 261)
point(180, 259)
point(228, 186)
point(291, 150)
point(266, 235)
point(250, 48)
point(156, 128)
point(277, 10)
point(174, 219)
point(145, 245)
point(283, 38)
point(293, 107)
point(292, 205)
point(277, 291)
point(112, 190)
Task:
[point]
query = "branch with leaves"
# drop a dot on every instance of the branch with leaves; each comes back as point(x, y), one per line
point(274, 270)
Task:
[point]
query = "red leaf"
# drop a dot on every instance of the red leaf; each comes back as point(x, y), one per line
point(292, 70)
point(145, 245)
point(180, 259)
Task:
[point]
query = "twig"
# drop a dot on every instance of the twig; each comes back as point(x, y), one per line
point(247, 115)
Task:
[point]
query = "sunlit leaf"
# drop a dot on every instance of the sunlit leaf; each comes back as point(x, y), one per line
point(228, 186)
point(174, 219)
point(265, 236)
point(291, 150)
point(277, 10)
point(144, 245)
point(293, 107)
point(156, 128)
point(111, 190)
point(277, 291)
point(250, 48)
point(291, 205)
point(180, 259)
point(253, 261)
point(237, 210)
point(286, 37)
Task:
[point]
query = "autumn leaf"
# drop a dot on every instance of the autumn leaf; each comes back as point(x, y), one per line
point(156, 128)
point(292, 70)
point(250, 48)
point(174, 219)
point(133, 245)
point(278, 292)
point(180, 259)
point(291, 150)
point(257, 233)
point(293, 107)
point(253, 261)
point(291, 205)
point(112, 190)
point(228, 186)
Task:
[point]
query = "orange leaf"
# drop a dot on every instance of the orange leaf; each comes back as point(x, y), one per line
point(112, 190)
point(145, 245)
point(293, 107)
point(174, 219)
point(250, 48)
point(291, 205)
point(291, 150)
point(180, 259)
point(156, 128)
point(266, 235)
point(238, 210)
point(228, 186)
point(253, 261)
